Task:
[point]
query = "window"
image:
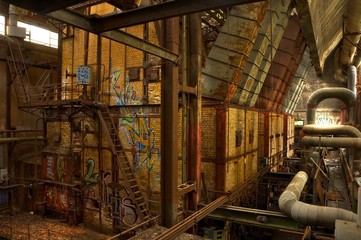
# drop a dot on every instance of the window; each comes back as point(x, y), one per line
point(40, 35)
point(2, 25)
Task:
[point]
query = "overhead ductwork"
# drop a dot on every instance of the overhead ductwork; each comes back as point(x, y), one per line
point(309, 214)
point(352, 32)
point(12, 29)
point(343, 94)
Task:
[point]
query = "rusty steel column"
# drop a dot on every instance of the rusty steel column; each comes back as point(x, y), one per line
point(266, 136)
point(221, 116)
point(98, 85)
point(285, 135)
point(6, 152)
point(194, 80)
point(169, 128)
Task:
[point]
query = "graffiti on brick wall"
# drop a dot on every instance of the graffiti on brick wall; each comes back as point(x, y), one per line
point(49, 167)
point(55, 168)
point(91, 177)
point(124, 96)
point(89, 198)
point(56, 197)
point(127, 212)
point(324, 120)
point(106, 180)
point(60, 168)
point(4, 197)
point(142, 140)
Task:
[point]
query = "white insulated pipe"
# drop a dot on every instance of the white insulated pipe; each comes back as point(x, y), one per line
point(13, 16)
point(307, 213)
point(352, 78)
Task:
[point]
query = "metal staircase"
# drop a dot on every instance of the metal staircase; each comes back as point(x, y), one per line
point(123, 162)
point(18, 72)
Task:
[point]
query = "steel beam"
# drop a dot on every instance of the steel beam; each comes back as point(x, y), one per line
point(169, 130)
point(73, 18)
point(221, 146)
point(186, 188)
point(21, 139)
point(256, 217)
point(194, 75)
point(87, 24)
point(187, 223)
point(162, 11)
point(130, 40)
point(44, 6)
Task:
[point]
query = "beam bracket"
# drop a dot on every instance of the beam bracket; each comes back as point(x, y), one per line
point(186, 188)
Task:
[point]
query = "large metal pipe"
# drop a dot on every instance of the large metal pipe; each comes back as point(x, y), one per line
point(333, 130)
point(313, 129)
point(352, 78)
point(343, 94)
point(352, 30)
point(307, 213)
point(345, 142)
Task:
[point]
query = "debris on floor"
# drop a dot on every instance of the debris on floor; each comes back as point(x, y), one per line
point(34, 227)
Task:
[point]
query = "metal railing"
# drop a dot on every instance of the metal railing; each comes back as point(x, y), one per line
point(56, 92)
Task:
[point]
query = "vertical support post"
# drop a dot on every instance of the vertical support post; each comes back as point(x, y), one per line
point(195, 113)
point(145, 59)
point(6, 150)
point(221, 116)
point(169, 125)
point(285, 135)
point(60, 64)
point(99, 69)
point(185, 113)
point(359, 206)
point(266, 135)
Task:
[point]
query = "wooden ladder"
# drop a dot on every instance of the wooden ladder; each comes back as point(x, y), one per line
point(123, 162)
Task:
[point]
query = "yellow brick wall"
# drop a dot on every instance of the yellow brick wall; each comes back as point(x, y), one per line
point(143, 135)
point(208, 132)
point(235, 120)
point(209, 170)
point(290, 133)
point(245, 163)
point(116, 59)
point(235, 173)
point(261, 133)
point(276, 130)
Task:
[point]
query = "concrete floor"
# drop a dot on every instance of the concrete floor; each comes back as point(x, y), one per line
point(28, 226)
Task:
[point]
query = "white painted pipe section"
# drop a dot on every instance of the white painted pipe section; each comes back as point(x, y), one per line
point(307, 213)
point(13, 17)
point(352, 78)
point(313, 129)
